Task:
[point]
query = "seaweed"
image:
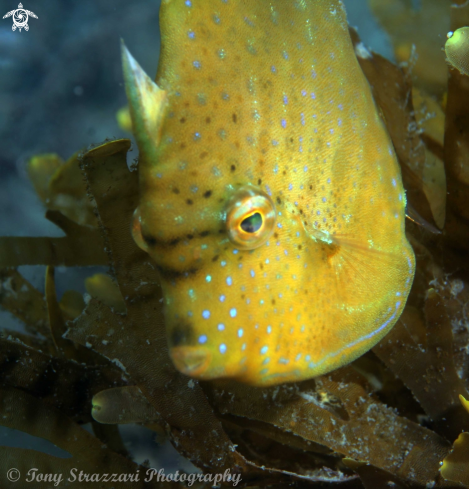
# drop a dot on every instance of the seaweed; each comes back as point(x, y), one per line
point(60, 187)
point(397, 417)
point(22, 411)
point(85, 248)
point(417, 31)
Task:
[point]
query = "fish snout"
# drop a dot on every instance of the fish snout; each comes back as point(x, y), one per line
point(190, 360)
point(188, 357)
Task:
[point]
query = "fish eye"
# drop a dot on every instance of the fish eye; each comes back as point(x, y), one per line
point(252, 223)
point(250, 218)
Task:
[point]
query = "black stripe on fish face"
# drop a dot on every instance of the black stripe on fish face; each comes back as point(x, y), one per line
point(181, 334)
point(172, 274)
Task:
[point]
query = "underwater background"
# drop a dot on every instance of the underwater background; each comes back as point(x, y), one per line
point(61, 85)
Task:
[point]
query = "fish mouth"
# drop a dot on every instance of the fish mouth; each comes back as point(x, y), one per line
point(190, 360)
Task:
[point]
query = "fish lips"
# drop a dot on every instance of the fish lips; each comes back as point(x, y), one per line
point(191, 360)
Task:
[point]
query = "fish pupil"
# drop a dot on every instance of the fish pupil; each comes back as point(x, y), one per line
point(252, 223)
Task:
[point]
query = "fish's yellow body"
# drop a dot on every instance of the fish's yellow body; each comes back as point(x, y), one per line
point(271, 198)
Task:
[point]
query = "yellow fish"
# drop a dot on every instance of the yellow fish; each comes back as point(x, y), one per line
point(271, 198)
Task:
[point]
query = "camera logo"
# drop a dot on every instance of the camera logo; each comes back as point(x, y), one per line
point(20, 18)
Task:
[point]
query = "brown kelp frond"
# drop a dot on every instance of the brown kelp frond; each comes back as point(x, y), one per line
point(457, 146)
point(63, 383)
point(60, 186)
point(430, 120)
point(81, 247)
point(121, 405)
point(391, 86)
point(57, 320)
point(419, 350)
point(24, 412)
point(102, 287)
point(331, 411)
point(24, 301)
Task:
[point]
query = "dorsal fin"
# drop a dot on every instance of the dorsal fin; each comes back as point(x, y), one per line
point(147, 104)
